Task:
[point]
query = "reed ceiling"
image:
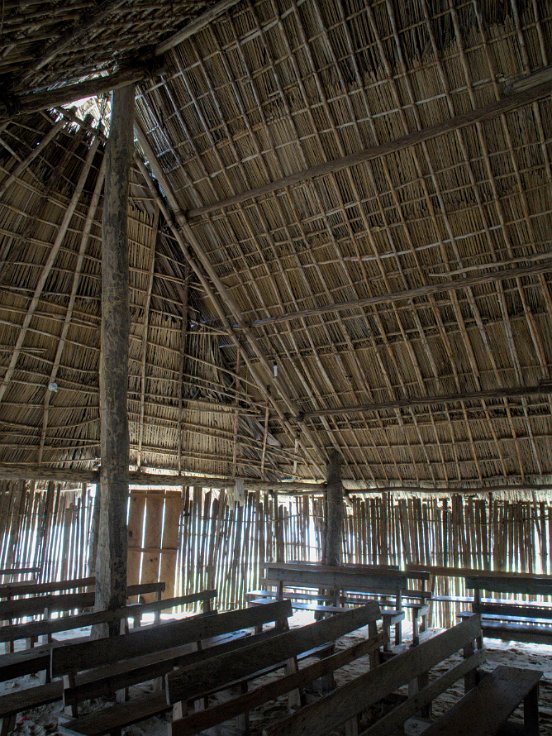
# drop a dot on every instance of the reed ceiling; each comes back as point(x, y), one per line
point(368, 260)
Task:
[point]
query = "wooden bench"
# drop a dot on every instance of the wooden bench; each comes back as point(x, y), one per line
point(44, 605)
point(440, 571)
point(344, 581)
point(145, 655)
point(284, 651)
point(30, 587)
point(219, 669)
point(347, 703)
point(134, 612)
point(13, 703)
point(516, 620)
point(36, 659)
point(487, 707)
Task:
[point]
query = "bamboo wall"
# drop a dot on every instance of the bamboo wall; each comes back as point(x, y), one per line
point(46, 528)
point(199, 538)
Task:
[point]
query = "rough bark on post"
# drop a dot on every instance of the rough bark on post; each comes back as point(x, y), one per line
point(334, 511)
point(94, 532)
point(111, 565)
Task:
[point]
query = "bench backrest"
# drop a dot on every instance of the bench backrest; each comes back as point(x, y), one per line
point(187, 682)
point(375, 581)
point(21, 607)
point(87, 655)
point(462, 572)
point(134, 610)
point(510, 584)
point(340, 706)
point(29, 587)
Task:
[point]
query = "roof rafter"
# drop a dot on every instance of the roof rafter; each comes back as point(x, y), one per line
point(491, 276)
point(505, 104)
point(543, 388)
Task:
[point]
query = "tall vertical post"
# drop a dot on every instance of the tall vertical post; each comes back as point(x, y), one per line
point(334, 511)
point(111, 566)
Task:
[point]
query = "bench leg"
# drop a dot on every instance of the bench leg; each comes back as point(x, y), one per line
point(387, 632)
point(375, 656)
point(471, 678)
point(121, 696)
point(423, 627)
point(414, 686)
point(351, 727)
point(531, 712)
point(398, 633)
point(294, 697)
point(6, 725)
point(415, 634)
point(44, 677)
point(243, 718)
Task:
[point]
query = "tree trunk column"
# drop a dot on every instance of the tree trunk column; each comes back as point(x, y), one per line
point(334, 512)
point(111, 566)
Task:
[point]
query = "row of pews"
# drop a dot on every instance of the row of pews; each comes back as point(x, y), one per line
point(44, 603)
point(235, 660)
point(327, 589)
point(194, 661)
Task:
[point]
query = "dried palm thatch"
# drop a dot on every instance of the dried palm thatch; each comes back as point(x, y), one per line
point(362, 191)
point(182, 397)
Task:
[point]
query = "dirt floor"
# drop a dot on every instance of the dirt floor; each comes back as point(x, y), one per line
point(41, 721)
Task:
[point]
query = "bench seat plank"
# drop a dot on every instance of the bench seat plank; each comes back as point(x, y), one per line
point(487, 707)
point(123, 714)
point(508, 618)
point(31, 697)
point(514, 631)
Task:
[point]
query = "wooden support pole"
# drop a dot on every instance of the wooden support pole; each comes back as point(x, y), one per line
point(111, 566)
point(334, 511)
point(94, 533)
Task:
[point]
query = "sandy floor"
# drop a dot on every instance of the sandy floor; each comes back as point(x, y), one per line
point(41, 721)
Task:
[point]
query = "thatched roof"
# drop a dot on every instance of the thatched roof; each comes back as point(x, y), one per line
point(363, 193)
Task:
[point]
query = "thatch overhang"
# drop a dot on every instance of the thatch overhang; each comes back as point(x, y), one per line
point(364, 189)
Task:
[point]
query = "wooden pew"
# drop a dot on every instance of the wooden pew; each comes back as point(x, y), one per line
point(134, 611)
point(13, 703)
point(49, 603)
point(344, 705)
point(464, 572)
point(512, 619)
point(147, 654)
point(30, 587)
point(487, 707)
point(223, 672)
point(37, 659)
point(379, 582)
point(218, 669)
